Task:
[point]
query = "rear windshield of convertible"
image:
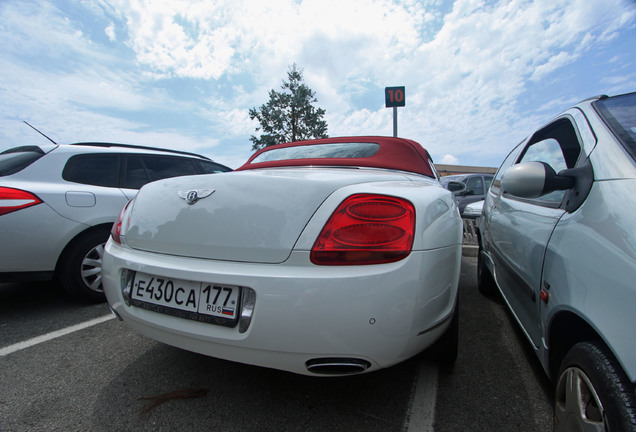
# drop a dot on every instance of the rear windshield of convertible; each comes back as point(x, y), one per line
point(358, 151)
point(322, 151)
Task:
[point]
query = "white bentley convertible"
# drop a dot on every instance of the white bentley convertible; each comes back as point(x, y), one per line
point(332, 256)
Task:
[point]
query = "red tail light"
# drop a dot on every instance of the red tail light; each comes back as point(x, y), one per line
point(366, 229)
point(15, 199)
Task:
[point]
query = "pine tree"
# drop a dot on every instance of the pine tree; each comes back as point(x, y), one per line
point(289, 115)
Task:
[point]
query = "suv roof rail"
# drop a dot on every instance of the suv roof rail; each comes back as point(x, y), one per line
point(134, 146)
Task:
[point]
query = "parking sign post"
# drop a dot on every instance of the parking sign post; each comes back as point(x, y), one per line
point(394, 97)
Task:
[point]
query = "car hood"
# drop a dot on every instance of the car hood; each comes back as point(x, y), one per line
point(248, 216)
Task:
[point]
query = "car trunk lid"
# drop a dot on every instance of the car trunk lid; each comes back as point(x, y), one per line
point(248, 216)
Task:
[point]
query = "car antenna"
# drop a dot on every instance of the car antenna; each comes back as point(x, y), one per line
point(32, 127)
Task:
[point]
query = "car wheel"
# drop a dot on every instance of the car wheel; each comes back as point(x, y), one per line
point(80, 268)
point(445, 349)
point(593, 393)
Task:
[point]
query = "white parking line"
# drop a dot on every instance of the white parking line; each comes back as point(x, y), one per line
point(47, 337)
point(421, 414)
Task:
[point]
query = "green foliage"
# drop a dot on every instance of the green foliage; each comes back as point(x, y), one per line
point(289, 115)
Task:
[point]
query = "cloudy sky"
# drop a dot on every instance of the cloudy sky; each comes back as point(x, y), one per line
point(479, 74)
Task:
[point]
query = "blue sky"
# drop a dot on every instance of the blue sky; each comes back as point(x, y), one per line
point(479, 75)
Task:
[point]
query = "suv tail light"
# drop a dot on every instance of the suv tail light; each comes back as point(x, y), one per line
point(15, 199)
point(366, 229)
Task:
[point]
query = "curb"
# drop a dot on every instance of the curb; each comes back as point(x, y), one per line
point(470, 250)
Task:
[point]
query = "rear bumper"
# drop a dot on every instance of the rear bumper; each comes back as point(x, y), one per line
point(382, 314)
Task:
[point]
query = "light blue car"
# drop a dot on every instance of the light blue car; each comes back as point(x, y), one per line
point(557, 237)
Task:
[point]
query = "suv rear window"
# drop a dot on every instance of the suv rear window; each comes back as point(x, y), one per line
point(17, 159)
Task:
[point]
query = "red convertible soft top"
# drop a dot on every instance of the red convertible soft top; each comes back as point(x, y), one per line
point(383, 152)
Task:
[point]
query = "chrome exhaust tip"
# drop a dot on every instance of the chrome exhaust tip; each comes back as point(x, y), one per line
point(337, 366)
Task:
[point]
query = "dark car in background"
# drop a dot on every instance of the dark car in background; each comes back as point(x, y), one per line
point(557, 239)
point(476, 187)
point(58, 204)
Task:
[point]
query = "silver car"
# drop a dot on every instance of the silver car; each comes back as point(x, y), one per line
point(473, 210)
point(475, 189)
point(58, 204)
point(558, 239)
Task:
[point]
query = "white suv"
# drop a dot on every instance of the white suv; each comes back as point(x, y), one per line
point(58, 203)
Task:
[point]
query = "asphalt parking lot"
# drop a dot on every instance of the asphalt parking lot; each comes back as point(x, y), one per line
point(104, 377)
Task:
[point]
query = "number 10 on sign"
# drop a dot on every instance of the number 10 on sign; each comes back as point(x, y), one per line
point(394, 97)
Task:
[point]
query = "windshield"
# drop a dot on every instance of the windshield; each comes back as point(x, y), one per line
point(619, 113)
point(320, 151)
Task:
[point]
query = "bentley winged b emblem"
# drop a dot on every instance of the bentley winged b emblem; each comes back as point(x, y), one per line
point(194, 195)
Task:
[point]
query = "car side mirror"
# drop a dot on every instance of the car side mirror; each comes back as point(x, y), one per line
point(534, 179)
point(457, 188)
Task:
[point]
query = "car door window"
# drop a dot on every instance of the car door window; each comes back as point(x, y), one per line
point(557, 145)
point(135, 175)
point(548, 151)
point(475, 185)
point(159, 167)
point(93, 169)
point(488, 181)
point(211, 167)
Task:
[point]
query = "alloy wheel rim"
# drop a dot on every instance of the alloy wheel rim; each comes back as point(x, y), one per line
point(91, 269)
point(577, 405)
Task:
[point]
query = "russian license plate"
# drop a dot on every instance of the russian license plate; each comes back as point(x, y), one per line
point(200, 301)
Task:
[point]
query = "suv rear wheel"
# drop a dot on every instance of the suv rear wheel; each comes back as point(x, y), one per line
point(80, 267)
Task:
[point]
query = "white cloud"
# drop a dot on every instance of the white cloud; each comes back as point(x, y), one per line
point(553, 63)
point(110, 32)
point(361, 122)
point(474, 70)
point(449, 159)
point(209, 39)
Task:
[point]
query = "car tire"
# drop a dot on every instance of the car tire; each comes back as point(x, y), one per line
point(445, 349)
point(485, 281)
point(593, 392)
point(80, 267)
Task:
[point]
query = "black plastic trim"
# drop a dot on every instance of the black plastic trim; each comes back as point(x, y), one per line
point(583, 176)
